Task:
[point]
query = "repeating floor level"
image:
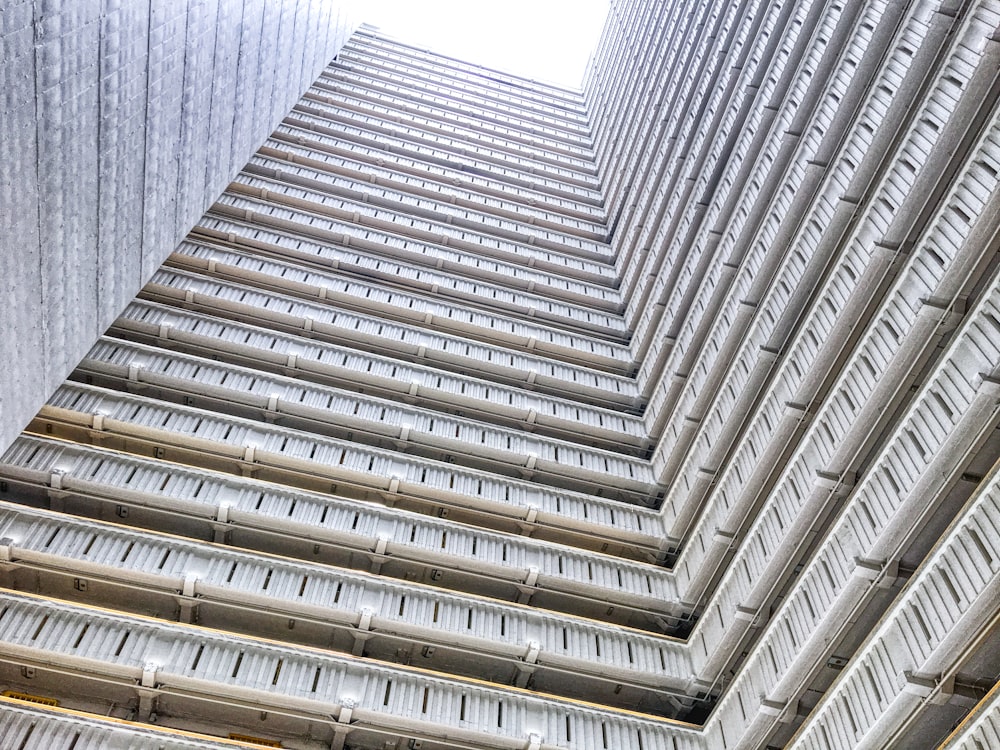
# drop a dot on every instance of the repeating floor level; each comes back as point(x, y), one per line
point(481, 413)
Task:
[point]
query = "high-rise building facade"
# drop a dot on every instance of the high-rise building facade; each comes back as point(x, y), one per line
point(121, 123)
point(479, 413)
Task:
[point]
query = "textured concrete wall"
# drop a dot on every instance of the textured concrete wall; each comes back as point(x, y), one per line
point(121, 122)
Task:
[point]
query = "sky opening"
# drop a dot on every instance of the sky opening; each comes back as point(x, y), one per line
point(548, 40)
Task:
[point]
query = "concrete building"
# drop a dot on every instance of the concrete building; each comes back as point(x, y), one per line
point(479, 413)
point(122, 122)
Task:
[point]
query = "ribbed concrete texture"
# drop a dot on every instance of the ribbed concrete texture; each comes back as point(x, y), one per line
point(121, 123)
point(479, 413)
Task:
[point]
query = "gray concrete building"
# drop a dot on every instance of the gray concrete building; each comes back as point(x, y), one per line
point(480, 413)
point(122, 122)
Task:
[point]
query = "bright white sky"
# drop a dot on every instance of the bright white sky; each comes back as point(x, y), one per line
point(548, 40)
